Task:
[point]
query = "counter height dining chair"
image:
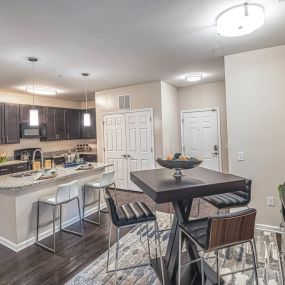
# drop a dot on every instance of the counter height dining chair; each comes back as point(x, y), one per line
point(65, 194)
point(106, 180)
point(129, 215)
point(216, 233)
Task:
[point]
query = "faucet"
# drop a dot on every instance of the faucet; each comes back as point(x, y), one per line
point(42, 158)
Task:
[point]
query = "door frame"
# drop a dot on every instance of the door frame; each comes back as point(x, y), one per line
point(130, 111)
point(218, 125)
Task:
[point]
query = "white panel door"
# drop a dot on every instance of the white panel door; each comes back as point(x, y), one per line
point(139, 143)
point(115, 146)
point(201, 137)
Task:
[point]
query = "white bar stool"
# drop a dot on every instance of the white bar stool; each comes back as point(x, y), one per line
point(65, 194)
point(107, 179)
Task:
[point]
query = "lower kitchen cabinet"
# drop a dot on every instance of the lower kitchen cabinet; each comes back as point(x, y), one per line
point(14, 168)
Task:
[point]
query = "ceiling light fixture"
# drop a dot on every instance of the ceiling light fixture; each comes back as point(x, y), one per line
point(34, 113)
point(41, 90)
point(193, 77)
point(86, 116)
point(240, 20)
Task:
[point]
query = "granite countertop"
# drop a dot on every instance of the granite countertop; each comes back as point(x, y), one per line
point(16, 184)
point(12, 162)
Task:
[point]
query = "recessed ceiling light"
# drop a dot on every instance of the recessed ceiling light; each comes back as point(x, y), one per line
point(41, 90)
point(193, 77)
point(240, 20)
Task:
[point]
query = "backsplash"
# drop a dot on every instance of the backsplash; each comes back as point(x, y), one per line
point(50, 146)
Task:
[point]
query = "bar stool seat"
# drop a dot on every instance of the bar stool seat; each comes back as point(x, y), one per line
point(107, 179)
point(48, 199)
point(134, 213)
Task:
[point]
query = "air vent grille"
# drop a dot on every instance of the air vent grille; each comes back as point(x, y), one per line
point(124, 102)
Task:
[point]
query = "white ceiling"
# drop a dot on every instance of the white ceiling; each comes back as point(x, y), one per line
point(121, 42)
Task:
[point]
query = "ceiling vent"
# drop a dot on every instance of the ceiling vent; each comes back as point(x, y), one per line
point(124, 102)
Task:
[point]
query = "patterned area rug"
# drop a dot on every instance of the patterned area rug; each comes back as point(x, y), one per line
point(132, 251)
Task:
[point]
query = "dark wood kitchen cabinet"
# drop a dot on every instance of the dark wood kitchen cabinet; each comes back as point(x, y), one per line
point(89, 132)
point(25, 114)
point(2, 133)
point(11, 123)
point(50, 121)
point(59, 116)
point(72, 123)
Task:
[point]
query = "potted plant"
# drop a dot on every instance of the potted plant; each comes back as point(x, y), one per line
point(281, 190)
point(3, 157)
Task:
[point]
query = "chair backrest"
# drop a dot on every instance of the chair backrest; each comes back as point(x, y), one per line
point(246, 192)
point(67, 192)
point(111, 206)
point(107, 178)
point(230, 229)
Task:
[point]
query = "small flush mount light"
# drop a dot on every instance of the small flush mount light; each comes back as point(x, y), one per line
point(240, 20)
point(86, 116)
point(193, 77)
point(41, 90)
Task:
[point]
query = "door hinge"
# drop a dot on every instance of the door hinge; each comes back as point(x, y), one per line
point(182, 120)
point(151, 149)
point(183, 149)
point(103, 122)
point(150, 119)
point(104, 149)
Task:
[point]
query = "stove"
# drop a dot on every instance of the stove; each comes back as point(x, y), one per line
point(26, 154)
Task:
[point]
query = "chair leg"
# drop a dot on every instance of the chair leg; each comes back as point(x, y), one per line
point(179, 256)
point(79, 214)
point(255, 249)
point(148, 247)
point(254, 261)
point(140, 233)
point(83, 214)
point(117, 255)
point(116, 198)
point(60, 217)
point(53, 226)
point(109, 246)
point(38, 221)
point(218, 268)
point(160, 252)
point(202, 271)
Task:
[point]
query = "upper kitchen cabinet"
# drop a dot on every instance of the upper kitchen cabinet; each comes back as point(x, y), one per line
point(11, 123)
point(25, 114)
point(2, 134)
point(50, 121)
point(72, 123)
point(89, 132)
point(59, 115)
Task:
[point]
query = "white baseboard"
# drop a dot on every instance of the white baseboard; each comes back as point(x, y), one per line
point(268, 228)
point(19, 246)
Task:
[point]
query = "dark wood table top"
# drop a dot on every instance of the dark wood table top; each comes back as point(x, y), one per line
point(161, 187)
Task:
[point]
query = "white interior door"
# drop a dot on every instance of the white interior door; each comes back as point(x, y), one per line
point(128, 144)
point(115, 146)
point(200, 135)
point(139, 143)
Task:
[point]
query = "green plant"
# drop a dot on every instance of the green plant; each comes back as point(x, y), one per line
point(281, 188)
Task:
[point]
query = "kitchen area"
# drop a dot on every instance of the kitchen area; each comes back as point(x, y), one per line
point(36, 159)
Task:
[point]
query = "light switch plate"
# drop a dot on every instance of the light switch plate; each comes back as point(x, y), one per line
point(240, 156)
point(271, 201)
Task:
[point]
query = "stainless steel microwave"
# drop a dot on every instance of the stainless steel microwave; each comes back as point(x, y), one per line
point(28, 131)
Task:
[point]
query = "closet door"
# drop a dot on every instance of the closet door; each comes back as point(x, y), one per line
point(139, 135)
point(115, 147)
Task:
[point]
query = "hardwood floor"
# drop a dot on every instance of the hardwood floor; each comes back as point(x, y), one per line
point(35, 265)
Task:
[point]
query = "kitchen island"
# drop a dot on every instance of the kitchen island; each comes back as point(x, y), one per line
point(18, 200)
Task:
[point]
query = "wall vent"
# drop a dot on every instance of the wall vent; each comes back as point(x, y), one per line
point(124, 102)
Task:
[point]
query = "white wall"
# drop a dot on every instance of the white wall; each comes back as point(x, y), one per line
point(255, 88)
point(170, 119)
point(207, 96)
point(142, 96)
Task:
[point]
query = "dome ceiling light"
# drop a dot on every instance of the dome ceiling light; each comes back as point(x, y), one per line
point(240, 20)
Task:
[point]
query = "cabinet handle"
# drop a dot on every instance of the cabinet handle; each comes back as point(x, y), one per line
point(4, 169)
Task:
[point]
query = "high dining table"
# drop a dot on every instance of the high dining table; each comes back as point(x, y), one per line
point(162, 187)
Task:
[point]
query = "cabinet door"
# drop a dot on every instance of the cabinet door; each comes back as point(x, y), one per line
point(2, 135)
point(19, 167)
point(72, 122)
point(89, 132)
point(50, 120)
point(12, 126)
point(25, 114)
point(5, 170)
point(60, 123)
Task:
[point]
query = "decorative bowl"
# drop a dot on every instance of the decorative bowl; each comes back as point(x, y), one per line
point(179, 164)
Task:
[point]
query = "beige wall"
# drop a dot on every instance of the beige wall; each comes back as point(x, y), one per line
point(142, 96)
point(170, 119)
point(207, 96)
point(255, 88)
point(42, 101)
